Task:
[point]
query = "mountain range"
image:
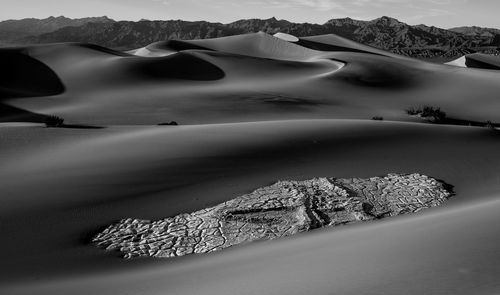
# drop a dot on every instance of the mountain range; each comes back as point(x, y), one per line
point(385, 33)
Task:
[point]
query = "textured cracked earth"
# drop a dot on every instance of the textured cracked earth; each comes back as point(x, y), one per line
point(282, 209)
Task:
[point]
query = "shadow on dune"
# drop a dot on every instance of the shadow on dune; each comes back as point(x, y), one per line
point(332, 42)
point(102, 49)
point(461, 122)
point(175, 45)
point(482, 61)
point(12, 114)
point(184, 66)
point(260, 45)
point(368, 74)
point(327, 47)
point(280, 100)
point(24, 76)
point(80, 126)
point(9, 114)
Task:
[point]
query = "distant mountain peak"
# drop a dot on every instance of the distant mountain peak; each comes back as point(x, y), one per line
point(388, 21)
point(387, 18)
point(386, 33)
point(10, 29)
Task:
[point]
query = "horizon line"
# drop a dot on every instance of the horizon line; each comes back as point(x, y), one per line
point(226, 23)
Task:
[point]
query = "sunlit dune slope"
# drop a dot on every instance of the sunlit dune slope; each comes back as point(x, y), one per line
point(209, 86)
point(258, 45)
point(252, 110)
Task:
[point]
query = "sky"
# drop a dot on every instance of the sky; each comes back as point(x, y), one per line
point(440, 13)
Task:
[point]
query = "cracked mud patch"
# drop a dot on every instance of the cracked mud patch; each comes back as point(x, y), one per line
point(282, 209)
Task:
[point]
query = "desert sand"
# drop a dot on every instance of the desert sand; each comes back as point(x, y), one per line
point(477, 60)
point(286, 37)
point(459, 62)
point(252, 110)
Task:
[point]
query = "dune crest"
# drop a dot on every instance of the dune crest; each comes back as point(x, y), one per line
point(286, 37)
point(146, 52)
point(181, 65)
point(165, 48)
point(332, 42)
point(483, 61)
point(459, 62)
point(259, 45)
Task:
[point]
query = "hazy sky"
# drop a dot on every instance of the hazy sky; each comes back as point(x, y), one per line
point(442, 13)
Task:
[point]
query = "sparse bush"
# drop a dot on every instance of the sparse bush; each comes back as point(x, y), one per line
point(433, 114)
point(172, 123)
point(489, 125)
point(413, 111)
point(53, 121)
point(376, 118)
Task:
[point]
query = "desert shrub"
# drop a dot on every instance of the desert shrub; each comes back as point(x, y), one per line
point(489, 125)
point(53, 121)
point(413, 111)
point(435, 113)
point(171, 123)
point(377, 118)
point(428, 112)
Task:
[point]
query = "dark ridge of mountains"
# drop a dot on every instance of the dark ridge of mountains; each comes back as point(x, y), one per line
point(384, 33)
point(487, 33)
point(11, 30)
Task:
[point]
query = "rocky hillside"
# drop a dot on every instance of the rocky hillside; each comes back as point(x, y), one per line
point(14, 29)
point(385, 33)
point(486, 35)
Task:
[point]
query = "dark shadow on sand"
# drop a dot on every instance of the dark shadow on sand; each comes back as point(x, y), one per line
point(24, 76)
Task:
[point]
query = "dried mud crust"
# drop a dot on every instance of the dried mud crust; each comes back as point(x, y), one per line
point(282, 209)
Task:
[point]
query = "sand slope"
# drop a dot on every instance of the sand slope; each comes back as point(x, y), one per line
point(286, 37)
point(182, 169)
point(164, 48)
point(24, 76)
point(243, 82)
point(478, 61)
point(253, 109)
point(332, 42)
point(483, 61)
point(412, 256)
point(459, 62)
point(258, 45)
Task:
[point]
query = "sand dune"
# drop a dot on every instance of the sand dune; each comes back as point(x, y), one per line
point(483, 61)
point(286, 37)
point(175, 45)
point(165, 48)
point(259, 45)
point(252, 88)
point(145, 52)
point(24, 76)
point(459, 62)
point(113, 68)
point(183, 66)
point(253, 110)
point(188, 168)
point(332, 42)
point(478, 61)
point(445, 252)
